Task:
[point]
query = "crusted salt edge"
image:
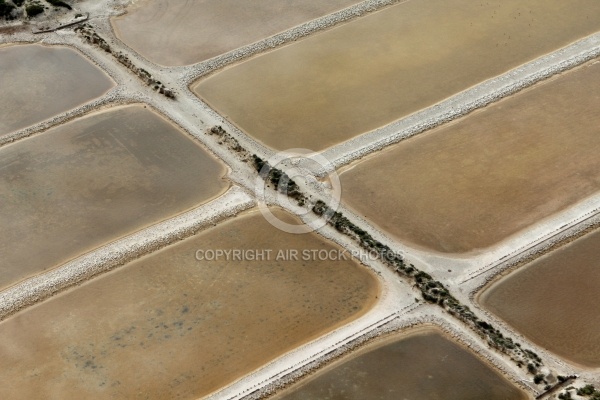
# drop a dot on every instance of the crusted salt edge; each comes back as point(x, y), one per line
point(467, 101)
point(395, 298)
point(217, 117)
point(392, 313)
point(426, 316)
point(454, 107)
point(519, 261)
point(122, 251)
point(195, 71)
point(117, 95)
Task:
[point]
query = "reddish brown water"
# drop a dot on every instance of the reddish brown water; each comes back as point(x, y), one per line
point(85, 183)
point(38, 82)
point(171, 327)
point(554, 300)
point(361, 75)
point(187, 32)
point(472, 183)
point(422, 365)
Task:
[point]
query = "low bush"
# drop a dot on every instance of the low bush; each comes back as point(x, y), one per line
point(5, 9)
point(59, 3)
point(34, 9)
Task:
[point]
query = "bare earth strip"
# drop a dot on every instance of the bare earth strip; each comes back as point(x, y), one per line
point(39, 82)
point(362, 75)
point(171, 326)
point(472, 183)
point(88, 182)
point(187, 32)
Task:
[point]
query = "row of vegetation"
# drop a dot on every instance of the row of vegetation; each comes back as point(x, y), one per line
point(432, 291)
point(6, 9)
point(435, 292)
point(588, 392)
point(92, 37)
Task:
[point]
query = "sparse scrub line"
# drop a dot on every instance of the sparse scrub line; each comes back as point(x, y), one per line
point(92, 37)
point(6, 9)
point(433, 292)
point(585, 392)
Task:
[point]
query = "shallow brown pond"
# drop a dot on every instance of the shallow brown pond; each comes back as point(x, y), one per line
point(421, 365)
point(38, 82)
point(187, 32)
point(554, 300)
point(371, 71)
point(171, 327)
point(472, 183)
point(85, 183)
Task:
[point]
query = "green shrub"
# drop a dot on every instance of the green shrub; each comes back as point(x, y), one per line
point(5, 9)
point(59, 3)
point(19, 3)
point(34, 9)
point(587, 390)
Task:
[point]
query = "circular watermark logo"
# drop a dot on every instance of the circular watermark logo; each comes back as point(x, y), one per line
point(288, 172)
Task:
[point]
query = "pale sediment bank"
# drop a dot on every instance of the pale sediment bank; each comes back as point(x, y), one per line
point(181, 113)
point(119, 252)
point(467, 101)
point(221, 318)
point(448, 110)
point(504, 169)
point(98, 178)
point(39, 82)
point(117, 95)
point(188, 32)
point(196, 71)
point(552, 300)
point(418, 364)
point(367, 73)
point(414, 320)
point(572, 226)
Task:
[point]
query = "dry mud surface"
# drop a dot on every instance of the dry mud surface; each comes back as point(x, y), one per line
point(179, 33)
point(93, 180)
point(170, 326)
point(366, 73)
point(419, 365)
point(553, 300)
point(38, 82)
point(471, 183)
